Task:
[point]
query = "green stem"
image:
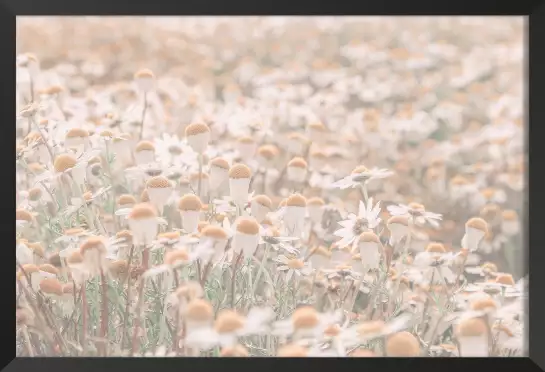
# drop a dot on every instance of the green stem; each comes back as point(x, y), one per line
point(364, 192)
point(233, 279)
point(406, 248)
point(167, 284)
point(261, 268)
point(143, 115)
point(127, 305)
point(88, 213)
point(113, 196)
point(104, 316)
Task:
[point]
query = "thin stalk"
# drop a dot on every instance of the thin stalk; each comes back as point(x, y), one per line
point(76, 302)
point(175, 343)
point(261, 268)
point(355, 293)
point(28, 344)
point(127, 305)
point(109, 170)
point(40, 308)
point(145, 258)
point(103, 350)
point(49, 192)
point(489, 333)
point(138, 315)
point(233, 279)
point(249, 268)
point(406, 248)
point(460, 271)
point(175, 338)
point(372, 297)
point(447, 289)
point(32, 121)
point(433, 334)
point(348, 291)
point(88, 213)
point(143, 115)
point(364, 192)
point(427, 302)
point(84, 308)
point(205, 273)
point(167, 284)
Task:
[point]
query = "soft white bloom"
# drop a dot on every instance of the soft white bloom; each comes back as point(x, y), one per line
point(366, 219)
point(78, 203)
point(417, 212)
point(435, 267)
point(360, 178)
point(292, 267)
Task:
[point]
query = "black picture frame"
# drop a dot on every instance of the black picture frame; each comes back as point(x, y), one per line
point(535, 243)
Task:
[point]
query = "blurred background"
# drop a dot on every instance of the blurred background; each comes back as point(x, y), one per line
point(109, 49)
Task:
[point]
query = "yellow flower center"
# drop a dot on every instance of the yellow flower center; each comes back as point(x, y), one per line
point(295, 264)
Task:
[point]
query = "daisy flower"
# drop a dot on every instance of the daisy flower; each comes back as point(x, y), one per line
point(28, 253)
point(417, 212)
point(87, 199)
point(34, 148)
point(33, 273)
point(487, 269)
point(31, 109)
point(509, 338)
point(445, 350)
point(342, 272)
point(489, 195)
point(226, 204)
point(322, 178)
point(492, 243)
point(366, 219)
point(143, 222)
point(167, 240)
point(502, 283)
point(73, 235)
point(170, 150)
point(435, 258)
point(213, 242)
point(403, 344)
point(370, 330)
point(24, 218)
point(293, 214)
point(293, 267)
point(176, 258)
point(69, 164)
point(246, 236)
point(272, 236)
point(478, 305)
point(334, 335)
point(142, 172)
point(320, 258)
point(305, 322)
point(473, 338)
point(360, 176)
point(199, 317)
point(230, 326)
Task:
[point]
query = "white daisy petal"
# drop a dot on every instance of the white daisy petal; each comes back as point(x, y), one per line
point(123, 211)
point(346, 241)
point(342, 232)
